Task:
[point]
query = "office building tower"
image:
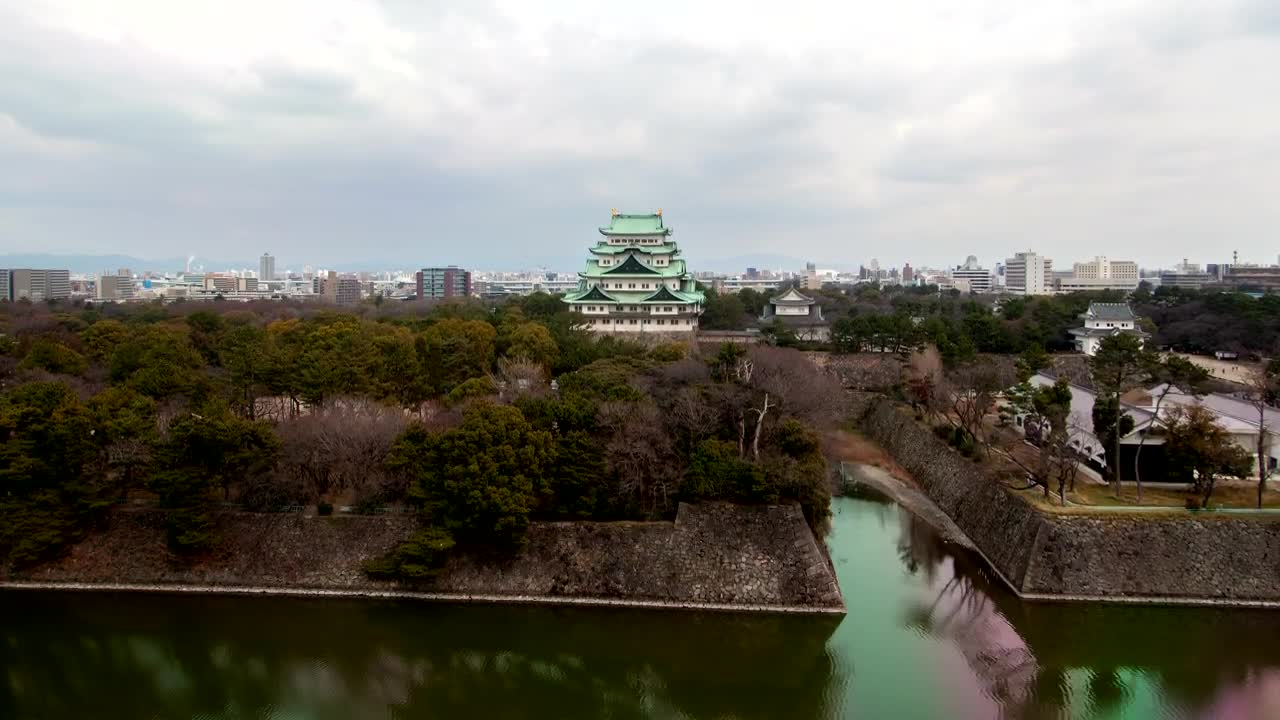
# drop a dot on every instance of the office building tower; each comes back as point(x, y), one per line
point(1027, 273)
point(439, 283)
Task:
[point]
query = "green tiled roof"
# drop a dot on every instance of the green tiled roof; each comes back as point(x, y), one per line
point(595, 293)
point(632, 297)
point(635, 225)
point(603, 248)
point(635, 267)
point(631, 266)
point(664, 294)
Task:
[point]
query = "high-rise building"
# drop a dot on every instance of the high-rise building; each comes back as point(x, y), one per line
point(36, 284)
point(115, 287)
point(810, 280)
point(266, 267)
point(341, 290)
point(439, 283)
point(972, 276)
point(1027, 273)
point(635, 281)
point(6, 290)
point(907, 274)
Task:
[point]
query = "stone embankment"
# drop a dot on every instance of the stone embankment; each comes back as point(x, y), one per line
point(713, 556)
point(1179, 556)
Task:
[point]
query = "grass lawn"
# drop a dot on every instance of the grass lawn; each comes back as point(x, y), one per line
point(1228, 494)
point(1089, 494)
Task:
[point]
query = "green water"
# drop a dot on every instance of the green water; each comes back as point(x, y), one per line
point(928, 635)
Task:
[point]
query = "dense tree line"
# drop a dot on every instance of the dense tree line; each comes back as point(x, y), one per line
point(869, 318)
point(1208, 321)
point(447, 408)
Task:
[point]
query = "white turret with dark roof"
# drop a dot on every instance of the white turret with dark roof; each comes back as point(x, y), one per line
point(634, 281)
point(1103, 320)
point(798, 313)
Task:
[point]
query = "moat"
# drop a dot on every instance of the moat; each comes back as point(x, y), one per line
point(929, 634)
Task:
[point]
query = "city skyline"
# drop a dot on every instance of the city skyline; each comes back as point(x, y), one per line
point(483, 135)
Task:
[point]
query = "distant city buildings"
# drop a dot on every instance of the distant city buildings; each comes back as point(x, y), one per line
point(441, 283)
point(635, 281)
point(266, 267)
point(1186, 276)
point(1261, 278)
point(810, 280)
point(495, 285)
point(34, 284)
point(339, 289)
point(1027, 273)
point(1101, 273)
point(738, 283)
point(118, 287)
point(972, 277)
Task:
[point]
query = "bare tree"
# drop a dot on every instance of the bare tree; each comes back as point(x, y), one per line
point(520, 378)
point(692, 417)
point(640, 454)
point(341, 447)
point(787, 382)
point(973, 389)
point(1263, 386)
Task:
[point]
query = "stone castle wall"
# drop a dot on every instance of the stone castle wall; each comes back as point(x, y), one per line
point(713, 554)
point(1179, 555)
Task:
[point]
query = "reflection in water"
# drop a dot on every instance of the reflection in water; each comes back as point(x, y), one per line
point(130, 656)
point(1074, 660)
point(929, 634)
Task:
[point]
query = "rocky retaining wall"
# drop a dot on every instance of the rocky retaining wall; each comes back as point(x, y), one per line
point(1178, 556)
point(715, 555)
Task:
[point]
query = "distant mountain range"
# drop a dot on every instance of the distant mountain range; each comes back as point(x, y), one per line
point(89, 264)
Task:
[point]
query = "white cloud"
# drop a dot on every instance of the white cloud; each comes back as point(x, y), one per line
point(914, 130)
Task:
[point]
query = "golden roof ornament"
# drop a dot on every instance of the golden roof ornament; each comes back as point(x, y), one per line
point(613, 212)
point(659, 212)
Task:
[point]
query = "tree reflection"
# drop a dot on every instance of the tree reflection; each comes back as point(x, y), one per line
point(1024, 654)
point(106, 656)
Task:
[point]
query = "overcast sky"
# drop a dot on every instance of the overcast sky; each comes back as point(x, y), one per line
point(499, 134)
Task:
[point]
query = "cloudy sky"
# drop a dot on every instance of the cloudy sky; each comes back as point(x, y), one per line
point(499, 134)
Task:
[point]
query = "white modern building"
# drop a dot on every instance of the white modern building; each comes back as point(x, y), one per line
point(972, 277)
point(635, 281)
point(1101, 273)
point(737, 283)
point(1027, 273)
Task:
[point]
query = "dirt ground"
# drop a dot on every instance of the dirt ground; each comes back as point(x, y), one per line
point(848, 446)
point(1236, 371)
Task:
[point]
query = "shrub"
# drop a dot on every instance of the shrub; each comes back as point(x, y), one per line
point(667, 352)
point(473, 388)
point(420, 557)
